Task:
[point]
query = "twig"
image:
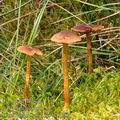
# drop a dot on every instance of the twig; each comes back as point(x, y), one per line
point(15, 19)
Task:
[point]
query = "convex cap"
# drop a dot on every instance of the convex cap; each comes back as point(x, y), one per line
point(87, 28)
point(65, 37)
point(28, 50)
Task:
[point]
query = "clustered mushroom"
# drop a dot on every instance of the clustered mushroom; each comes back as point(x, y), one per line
point(87, 29)
point(29, 51)
point(64, 38)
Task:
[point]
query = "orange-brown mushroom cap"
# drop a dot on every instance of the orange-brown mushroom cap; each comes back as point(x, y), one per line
point(28, 50)
point(87, 28)
point(65, 37)
point(81, 28)
point(96, 28)
point(37, 51)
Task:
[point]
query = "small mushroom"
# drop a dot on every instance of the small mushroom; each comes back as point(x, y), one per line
point(65, 37)
point(29, 51)
point(87, 29)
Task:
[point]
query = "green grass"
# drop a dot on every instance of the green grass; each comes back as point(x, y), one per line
point(97, 97)
point(93, 97)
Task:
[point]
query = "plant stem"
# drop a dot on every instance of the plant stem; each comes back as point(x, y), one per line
point(89, 47)
point(66, 82)
point(27, 80)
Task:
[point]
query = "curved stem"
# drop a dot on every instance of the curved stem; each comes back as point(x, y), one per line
point(27, 80)
point(89, 47)
point(66, 82)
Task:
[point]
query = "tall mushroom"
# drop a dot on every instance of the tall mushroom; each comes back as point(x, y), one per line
point(65, 37)
point(87, 29)
point(29, 51)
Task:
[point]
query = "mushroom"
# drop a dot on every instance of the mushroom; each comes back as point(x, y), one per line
point(87, 29)
point(29, 51)
point(65, 37)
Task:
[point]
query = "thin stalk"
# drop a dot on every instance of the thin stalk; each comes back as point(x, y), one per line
point(27, 80)
point(89, 47)
point(66, 82)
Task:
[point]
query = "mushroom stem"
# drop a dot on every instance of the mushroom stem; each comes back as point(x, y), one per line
point(27, 80)
point(66, 82)
point(89, 47)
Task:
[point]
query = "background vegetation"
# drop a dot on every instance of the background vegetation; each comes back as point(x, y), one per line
point(93, 97)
